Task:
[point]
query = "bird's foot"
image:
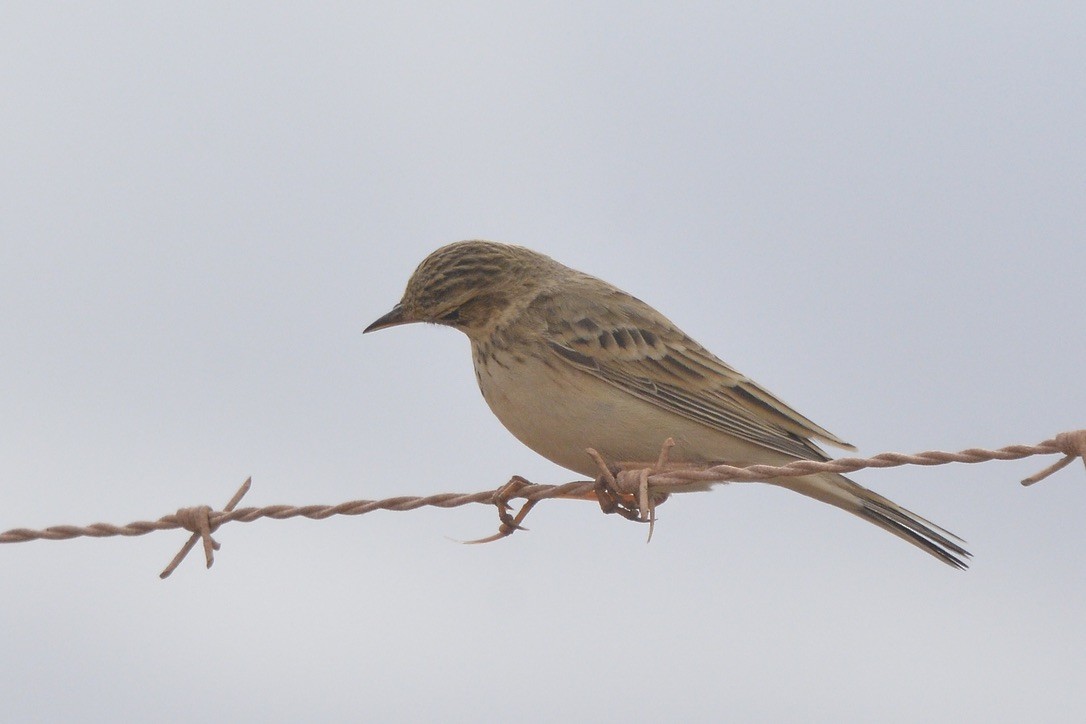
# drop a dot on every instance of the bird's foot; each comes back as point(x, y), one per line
point(509, 523)
point(611, 499)
point(625, 488)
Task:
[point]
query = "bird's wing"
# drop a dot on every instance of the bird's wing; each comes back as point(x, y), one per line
point(632, 346)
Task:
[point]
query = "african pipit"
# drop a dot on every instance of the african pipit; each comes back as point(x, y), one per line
point(567, 362)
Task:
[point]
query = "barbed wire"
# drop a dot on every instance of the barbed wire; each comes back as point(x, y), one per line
point(632, 489)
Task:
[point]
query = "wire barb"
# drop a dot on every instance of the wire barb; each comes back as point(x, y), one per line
point(199, 521)
point(1072, 445)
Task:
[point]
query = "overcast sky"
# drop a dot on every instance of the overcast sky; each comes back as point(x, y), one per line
point(876, 211)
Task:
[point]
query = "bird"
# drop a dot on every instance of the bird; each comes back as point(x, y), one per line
point(567, 361)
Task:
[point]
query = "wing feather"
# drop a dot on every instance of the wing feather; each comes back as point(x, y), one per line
point(632, 346)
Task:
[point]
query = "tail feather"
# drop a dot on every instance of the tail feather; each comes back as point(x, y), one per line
point(917, 531)
point(843, 493)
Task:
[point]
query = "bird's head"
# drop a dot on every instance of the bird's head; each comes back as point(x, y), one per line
point(470, 285)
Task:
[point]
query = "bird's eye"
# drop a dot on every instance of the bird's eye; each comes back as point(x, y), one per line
point(452, 316)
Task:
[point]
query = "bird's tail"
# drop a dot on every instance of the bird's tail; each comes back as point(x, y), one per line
point(839, 491)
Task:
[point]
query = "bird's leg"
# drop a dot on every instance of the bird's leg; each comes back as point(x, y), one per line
point(509, 523)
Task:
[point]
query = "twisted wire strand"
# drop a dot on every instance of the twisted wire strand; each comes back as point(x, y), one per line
point(751, 473)
point(179, 519)
point(632, 480)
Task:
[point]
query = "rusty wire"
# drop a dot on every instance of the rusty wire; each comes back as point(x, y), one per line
point(632, 489)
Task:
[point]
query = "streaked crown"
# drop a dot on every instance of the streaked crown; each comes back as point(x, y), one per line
point(469, 285)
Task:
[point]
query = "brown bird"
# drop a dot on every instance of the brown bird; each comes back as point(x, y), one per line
point(567, 361)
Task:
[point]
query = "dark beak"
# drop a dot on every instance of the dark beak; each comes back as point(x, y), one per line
point(393, 318)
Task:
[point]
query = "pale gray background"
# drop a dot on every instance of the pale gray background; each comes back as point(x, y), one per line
point(877, 213)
